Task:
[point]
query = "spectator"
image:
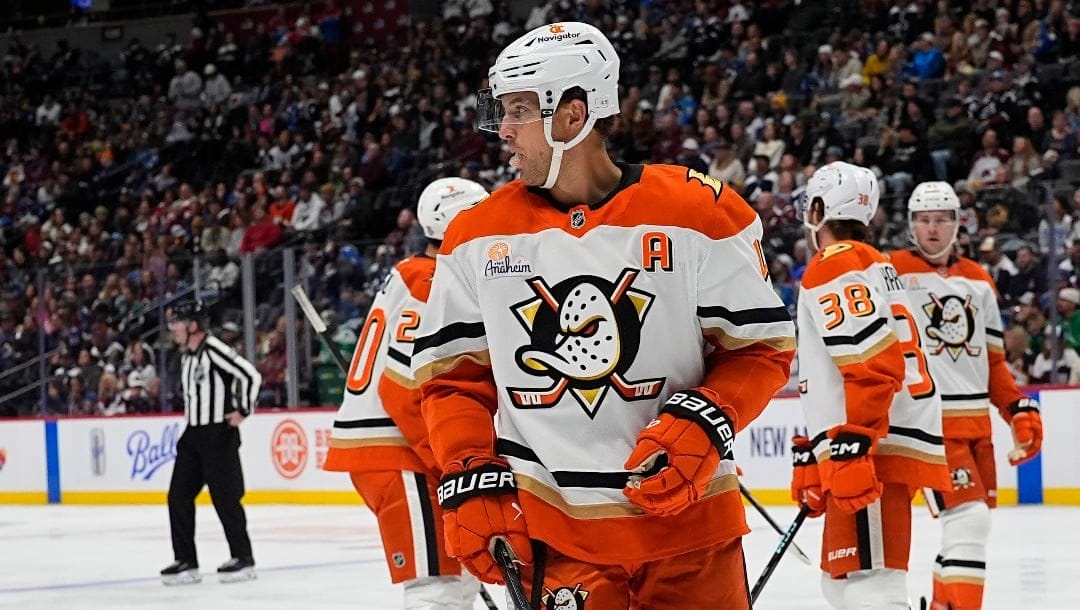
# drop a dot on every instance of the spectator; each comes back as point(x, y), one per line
point(1057, 231)
point(261, 234)
point(1069, 305)
point(725, 167)
point(1030, 276)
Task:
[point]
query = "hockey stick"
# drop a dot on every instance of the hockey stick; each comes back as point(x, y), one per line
point(510, 574)
point(320, 327)
point(761, 509)
point(785, 542)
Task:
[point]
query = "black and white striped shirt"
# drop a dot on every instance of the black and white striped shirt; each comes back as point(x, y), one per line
point(216, 380)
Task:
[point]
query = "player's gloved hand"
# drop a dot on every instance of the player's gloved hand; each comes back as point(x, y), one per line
point(678, 453)
point(1027, 430)
point(805, 478)
point(480, 504)
point(848, 476)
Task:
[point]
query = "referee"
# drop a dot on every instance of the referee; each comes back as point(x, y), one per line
point(219, 389)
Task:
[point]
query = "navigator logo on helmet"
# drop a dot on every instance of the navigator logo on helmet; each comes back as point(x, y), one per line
point(549, 61)
point(441, 200)
point(846, 191)
point(933, 197)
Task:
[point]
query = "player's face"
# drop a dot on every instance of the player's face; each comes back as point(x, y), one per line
point(934, 230)
point(523, 132)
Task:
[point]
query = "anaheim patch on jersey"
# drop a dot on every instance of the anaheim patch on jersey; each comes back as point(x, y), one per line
point(584, 334)
point(565, 598)
point(952, 324)
point(502, 263)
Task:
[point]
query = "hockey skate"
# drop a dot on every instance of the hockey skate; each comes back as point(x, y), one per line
point(180, 573)
point(236, 570)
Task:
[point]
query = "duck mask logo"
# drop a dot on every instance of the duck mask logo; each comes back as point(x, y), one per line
point(585, 333)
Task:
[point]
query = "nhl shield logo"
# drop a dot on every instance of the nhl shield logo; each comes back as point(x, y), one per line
point(577, 218)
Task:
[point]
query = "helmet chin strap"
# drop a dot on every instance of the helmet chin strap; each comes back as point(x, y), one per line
point(558, 148)
point(813, 233)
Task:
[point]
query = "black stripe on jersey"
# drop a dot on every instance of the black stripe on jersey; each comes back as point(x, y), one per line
point(375, 422)
point(962, 563)
point(428, 516)
point(511, 449)
point(591, 480)
point(223, 361)
point(453, 332)
point(564, 478)
point(859, 337)
point(398, 356)
point(975, 396)
point(915, 433)
point(993, 332)
point(743, 317)
point(862, 535)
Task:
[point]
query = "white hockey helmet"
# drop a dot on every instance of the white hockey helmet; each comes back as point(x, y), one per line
point(932, 197)
point(550, 60)
point(441, 200)
point(847, 191)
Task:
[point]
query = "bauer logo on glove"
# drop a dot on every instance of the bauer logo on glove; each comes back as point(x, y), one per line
point(487, 479)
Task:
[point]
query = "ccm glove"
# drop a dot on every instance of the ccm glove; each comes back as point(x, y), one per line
point(1027, 430)
point(678, 453)
point(848, 476)
point(805, 477)
point(480, 505)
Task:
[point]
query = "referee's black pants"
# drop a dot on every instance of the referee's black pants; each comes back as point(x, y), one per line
point(208, 455)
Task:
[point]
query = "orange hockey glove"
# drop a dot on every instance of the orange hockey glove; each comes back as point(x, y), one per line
point(678, 453)
point(805, 477)
point(480, 504)
point(1026, 429)
point(848, 476)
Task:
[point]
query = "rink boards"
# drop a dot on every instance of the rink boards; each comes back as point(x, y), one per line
point(128, 460)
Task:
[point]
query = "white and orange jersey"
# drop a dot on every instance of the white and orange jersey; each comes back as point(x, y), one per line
point(379, 425)
point(573, 326)
point(956, 311)
point(860, 363)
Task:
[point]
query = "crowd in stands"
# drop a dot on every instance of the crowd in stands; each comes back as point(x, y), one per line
point(131, 181)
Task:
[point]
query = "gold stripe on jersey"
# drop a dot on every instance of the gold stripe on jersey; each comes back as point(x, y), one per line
point(962, 412)
point(436, 368)
point(875, 349)
point(915, 454)
point(552, 497)
point(728, 342)
point(403, 381)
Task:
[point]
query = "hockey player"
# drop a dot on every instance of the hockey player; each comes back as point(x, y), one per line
point(872, 410)
point(603, 331)
point(956, 310)
point(379, 436)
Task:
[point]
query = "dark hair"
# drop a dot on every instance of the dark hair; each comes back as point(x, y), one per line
point(603, 126)
point(844, 228)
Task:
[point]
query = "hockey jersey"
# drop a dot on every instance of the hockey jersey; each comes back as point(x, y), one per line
point(860, 363)
point(379, 425)
point(956, 310)
point(574, 325)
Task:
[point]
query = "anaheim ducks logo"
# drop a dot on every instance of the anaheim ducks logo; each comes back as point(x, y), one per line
point(961, 479)
point(585, 333)
point(564, 598)
point(952, 322)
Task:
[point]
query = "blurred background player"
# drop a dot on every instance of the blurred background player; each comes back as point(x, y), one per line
point(588, 310)
point(379, 436)
point(219, 389)
point(871, 406)
point(956, 310)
